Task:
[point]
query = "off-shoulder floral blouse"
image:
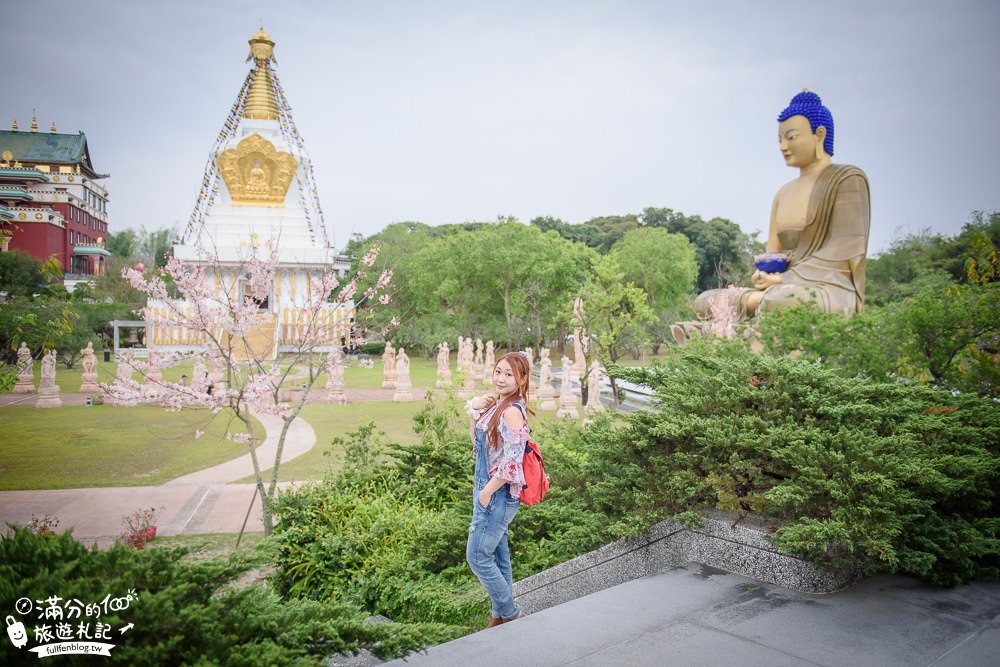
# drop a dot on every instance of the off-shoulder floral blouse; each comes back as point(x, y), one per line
point(505, 461)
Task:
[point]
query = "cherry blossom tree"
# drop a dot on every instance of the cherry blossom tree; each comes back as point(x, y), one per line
point(211, 306)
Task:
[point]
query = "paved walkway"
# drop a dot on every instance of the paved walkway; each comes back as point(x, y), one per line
point(697, 615)
point(202, 502)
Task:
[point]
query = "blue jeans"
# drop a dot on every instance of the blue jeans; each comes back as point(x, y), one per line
point(487, 550)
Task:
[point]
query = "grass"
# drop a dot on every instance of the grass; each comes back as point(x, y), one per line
point(330, 421)
point(208, 545)
point(143, 446)
point(93, 446)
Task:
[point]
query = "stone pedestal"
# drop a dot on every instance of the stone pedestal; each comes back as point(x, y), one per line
point(335, 394)
point(567, 408)
point(468, 389)
point(25, 384)
point(388, 379)
point(89, 383)
point(547, 398)
point(443, 379)
point(403, 393)
point(48, 396)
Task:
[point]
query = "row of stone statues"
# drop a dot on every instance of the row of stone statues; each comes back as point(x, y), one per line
point(48, 390)
point(396, 373)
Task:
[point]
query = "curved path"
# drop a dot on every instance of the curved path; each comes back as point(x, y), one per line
point(201, 502)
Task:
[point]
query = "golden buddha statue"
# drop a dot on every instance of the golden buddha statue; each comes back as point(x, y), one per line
point(257, 183)
point(819, 222)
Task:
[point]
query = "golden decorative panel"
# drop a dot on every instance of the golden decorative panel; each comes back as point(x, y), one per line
point(257, 174)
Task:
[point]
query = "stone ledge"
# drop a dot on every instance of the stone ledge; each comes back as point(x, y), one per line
point(745, 549)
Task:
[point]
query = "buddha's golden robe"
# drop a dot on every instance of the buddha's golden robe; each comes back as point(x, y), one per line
point(827, 256)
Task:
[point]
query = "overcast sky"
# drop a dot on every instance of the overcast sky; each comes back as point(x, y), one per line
point(444, 112)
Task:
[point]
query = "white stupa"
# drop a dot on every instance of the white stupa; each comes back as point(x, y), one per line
point(259, 196)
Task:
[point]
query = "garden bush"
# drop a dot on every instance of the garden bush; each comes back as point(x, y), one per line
point(857, 474)
point(388, 530)
point(185, 612)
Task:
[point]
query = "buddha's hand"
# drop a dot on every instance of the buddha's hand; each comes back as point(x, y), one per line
point(762, 280)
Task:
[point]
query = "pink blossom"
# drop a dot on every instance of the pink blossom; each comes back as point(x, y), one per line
point(371, 255)
point(384, 299)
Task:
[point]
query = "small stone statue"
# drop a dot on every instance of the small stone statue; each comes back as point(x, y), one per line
point(403, 386)
point(125, 366)
point(488, 363)
point(466, 364)
point(335, 373)
point(89, 369)
point(389, 367)
point(478, 369)
point(153, 362)
point(594, 387)
point(546, 392)
point(48, 390)
point(199, 376)
point(25, 371)
point(443, 370)
point(567, 399)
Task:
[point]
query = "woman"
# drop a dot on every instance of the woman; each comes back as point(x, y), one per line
point(499, 433)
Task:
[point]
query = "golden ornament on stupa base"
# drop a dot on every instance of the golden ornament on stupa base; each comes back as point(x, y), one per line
point(257, 174)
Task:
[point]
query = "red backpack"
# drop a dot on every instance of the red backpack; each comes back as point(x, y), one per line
point(535, 479)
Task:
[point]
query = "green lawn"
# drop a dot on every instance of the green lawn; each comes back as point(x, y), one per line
point(103, 445)
point(330, 421)
point(78, 446)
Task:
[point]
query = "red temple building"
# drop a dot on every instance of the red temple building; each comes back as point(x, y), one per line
point(51, 201)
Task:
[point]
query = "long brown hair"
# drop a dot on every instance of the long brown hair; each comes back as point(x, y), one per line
point(522, 374)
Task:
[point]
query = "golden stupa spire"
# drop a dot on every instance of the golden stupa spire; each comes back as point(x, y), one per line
point(260, 99)
point(34, 122)
point(53, 128)
point(13, 126)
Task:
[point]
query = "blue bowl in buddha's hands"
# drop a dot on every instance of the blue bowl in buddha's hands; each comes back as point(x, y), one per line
point(771, 262)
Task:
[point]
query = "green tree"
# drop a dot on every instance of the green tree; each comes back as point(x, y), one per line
point(113, 287)
point(123, 243)
point(614, 309)
point(662, 264)
point(599, 233)
point(945, 322)
point(21, 274)
point(43, 323)
point(723, 252)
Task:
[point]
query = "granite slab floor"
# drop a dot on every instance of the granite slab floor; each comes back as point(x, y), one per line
point(697, 615)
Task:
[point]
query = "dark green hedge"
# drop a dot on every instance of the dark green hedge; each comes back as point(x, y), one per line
point(187, 613)
point(888, 477)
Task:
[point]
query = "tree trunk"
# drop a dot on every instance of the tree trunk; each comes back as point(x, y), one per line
point(506, 316)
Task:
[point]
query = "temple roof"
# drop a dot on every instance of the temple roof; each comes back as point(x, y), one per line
point(47, 147)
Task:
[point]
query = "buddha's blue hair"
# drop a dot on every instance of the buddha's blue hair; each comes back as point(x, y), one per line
point(811, 106)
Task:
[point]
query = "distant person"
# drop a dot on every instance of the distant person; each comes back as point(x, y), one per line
point(499, 430)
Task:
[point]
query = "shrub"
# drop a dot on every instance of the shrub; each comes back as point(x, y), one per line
point(374, 349)
point(388, 530)
point(888, 477)
point(189, 613)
